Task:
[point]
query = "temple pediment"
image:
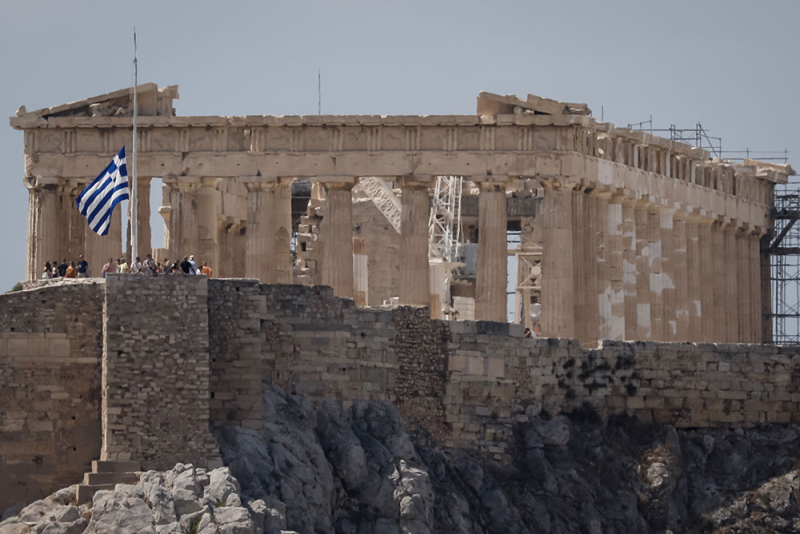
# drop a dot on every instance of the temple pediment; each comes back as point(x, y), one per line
point(153, 101)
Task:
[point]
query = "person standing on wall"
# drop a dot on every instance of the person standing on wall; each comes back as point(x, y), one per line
point(83, 268)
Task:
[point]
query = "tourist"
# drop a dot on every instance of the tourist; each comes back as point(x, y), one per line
point(136, 267)
point(54, 273)
point(198, 270)
point(149, 265)
point(47, 271)
point(206, 269)
point(166, 266)
point(186, 266)
point(72, 271)
point(123, 267)
point(83, 268)
point(62, 268)
point(194, 265)
point(109, 268)
point(176, 268)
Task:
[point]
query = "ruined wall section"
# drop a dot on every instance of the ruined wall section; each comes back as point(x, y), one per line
point(319, 346)
point(156, 371)
point(50, 351)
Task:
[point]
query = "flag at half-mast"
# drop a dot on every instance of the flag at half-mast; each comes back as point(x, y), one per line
point(97, 201)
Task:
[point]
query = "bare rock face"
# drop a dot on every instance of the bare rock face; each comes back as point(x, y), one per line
point(321, 468)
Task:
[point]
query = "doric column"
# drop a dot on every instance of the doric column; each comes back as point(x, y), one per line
point(46, 223)
point(694, 280)
point(669, 321)
point(33, 207)
point(644, 324)
point(761, 289)
point(414, 269)
point(730, 304)
point(680, 277)
point(707, 246)
point(558, 280)
point(143, 214)
point(207, 223)
point(183, 218)
point(99, 248)
point(744, 303)
point(629, 246)
point(719, 284)
point(584, 257)
point(76, 225)
point(269, 232)
point(491, 277)
point(337, 238)
point(611, 270)
point(655, 265)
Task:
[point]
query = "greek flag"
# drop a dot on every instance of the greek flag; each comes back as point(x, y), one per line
point(97, 201)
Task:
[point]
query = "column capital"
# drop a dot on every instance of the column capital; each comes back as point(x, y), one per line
point(339, 186)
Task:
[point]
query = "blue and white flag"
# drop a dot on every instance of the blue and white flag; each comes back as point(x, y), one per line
point(97, 201)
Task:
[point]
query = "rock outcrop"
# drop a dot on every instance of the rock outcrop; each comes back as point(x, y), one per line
point(320, 468)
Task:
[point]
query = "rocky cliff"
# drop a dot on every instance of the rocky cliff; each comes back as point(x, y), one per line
point(317, 468)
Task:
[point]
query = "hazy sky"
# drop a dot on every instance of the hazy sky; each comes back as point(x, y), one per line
point(731, 65)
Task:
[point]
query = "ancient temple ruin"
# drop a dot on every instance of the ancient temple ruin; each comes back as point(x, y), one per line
point(622, 235)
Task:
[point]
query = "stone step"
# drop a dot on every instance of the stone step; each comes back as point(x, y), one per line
point(86, 493)
point(101, 479)
point(101, 466)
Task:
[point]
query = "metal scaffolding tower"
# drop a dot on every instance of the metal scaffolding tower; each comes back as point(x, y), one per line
point(383, 197)
point(444, 224)
point(784, 253)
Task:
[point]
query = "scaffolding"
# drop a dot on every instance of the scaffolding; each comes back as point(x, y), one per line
point(784, 253)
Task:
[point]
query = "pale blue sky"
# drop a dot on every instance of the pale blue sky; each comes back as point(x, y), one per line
point(730, 64)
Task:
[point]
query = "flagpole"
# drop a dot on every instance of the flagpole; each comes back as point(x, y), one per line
point(134, 233)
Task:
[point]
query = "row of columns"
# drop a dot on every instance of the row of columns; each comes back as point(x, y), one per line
point(269, 231)
point(57, 231)
point(616, 268)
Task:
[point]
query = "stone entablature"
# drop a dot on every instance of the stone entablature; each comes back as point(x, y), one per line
point(565, 149)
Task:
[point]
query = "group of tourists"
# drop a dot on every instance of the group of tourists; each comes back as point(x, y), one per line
point(64, 269)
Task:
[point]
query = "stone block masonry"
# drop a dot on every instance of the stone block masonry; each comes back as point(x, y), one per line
point(50, 351)
point(174, 357)
point(156, 371)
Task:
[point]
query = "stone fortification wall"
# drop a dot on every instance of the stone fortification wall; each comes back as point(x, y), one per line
point(156, 371)
point(174, 357)
point(50, 351)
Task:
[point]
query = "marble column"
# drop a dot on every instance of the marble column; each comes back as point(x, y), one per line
point(183, 218)
point(491, 277)
point(614, 255)
point(694, 280)
point(33, 206)
point(680, 277)
point(101, 248)
point(76, 225)
point(656, 282)
point(669, 321)
point(336, 231)
point(414, 268)
point(207, 223)
point(144, 241)
point(730, 303)
point(644, 323)
point(47, 223)
point(743, 293)
point(629, 243)
point(269, 227)
point(719, 283)
point(558, 280)
point(708, 266)
point(760, 289)
point(584, 256)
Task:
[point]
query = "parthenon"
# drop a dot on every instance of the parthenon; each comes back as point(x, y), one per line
point(623, 235)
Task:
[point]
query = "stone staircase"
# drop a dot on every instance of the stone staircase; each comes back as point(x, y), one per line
point(106, 475)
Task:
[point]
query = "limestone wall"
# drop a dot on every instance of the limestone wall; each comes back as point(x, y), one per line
point(181, 355)
point(50, 350)
point(156, 371)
